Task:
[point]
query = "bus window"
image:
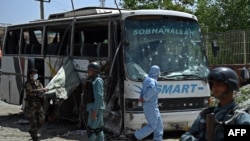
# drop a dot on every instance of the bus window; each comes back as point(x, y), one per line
point(12, 42)
point(89, 49)
point(57, 39)
point(32, 41)
point(37, 46)
point(78, 42)
point(64, 47)
point(158, 42)
point(89, 41)
point(102, 49)
point(52, 42)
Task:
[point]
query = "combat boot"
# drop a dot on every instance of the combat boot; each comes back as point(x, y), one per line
point(33, 135)
point(34, 138)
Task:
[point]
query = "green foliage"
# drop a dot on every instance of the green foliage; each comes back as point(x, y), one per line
point(240, 97)
point(214, 15)
point(140, 4)
point(221, 15)
point(179, 5)
point(243, 95)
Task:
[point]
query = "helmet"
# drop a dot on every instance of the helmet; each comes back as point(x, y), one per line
point(94, 66)
point(32, 71)
point(226, 75)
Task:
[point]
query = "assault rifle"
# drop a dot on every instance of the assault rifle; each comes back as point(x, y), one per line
point(210, 125)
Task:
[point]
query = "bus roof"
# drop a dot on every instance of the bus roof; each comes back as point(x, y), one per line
point(106, 10)
point(84, 12)
point(91, 12)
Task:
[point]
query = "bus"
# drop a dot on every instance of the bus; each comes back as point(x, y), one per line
point(1, 38)
point(126, 43)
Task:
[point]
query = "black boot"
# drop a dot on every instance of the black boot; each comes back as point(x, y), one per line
point(35, 138)
point(33, 135)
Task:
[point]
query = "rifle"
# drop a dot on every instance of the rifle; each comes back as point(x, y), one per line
point(210, 122)
point(82, 111)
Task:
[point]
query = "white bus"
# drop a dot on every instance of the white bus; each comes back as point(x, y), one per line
point(126, 43)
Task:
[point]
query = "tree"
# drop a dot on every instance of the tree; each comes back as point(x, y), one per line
point(214, 15)
point(179, 5)
point(223, 15)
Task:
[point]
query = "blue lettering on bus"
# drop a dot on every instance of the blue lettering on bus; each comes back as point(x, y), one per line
point(175, 89)
point(178, 89)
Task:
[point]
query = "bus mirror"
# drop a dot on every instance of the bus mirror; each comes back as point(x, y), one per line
point(215, 48)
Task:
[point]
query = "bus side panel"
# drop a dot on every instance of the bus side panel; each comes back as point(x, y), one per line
point(177, 99)
point(12, 80)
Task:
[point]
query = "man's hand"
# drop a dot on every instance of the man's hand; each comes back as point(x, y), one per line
point(141, 99)
point(42, 91)
point(45, 89)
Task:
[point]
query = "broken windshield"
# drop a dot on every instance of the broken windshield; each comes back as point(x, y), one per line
point(172, 43)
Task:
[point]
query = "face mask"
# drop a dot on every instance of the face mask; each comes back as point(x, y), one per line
point(35, 76)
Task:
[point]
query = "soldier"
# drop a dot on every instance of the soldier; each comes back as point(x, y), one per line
point(95, 103)
point(34, 96)
point(224, 82)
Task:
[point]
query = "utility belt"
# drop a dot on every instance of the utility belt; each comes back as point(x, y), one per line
point(90, 131)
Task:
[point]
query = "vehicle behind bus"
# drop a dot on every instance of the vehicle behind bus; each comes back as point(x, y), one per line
point(126, 43)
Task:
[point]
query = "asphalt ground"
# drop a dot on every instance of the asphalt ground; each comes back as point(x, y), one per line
point(14, 127)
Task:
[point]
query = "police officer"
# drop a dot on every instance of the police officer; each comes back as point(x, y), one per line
point(95, 103)
point(34, 96)
point(223, 83)
point(149, 99)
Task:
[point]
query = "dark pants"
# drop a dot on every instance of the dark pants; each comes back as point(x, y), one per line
point(36, 118)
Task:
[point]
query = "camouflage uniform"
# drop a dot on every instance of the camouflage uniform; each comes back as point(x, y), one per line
point(36, 111)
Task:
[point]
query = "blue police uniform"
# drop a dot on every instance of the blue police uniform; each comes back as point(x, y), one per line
point(222, 115)
point(98, 105)
point(150, 107)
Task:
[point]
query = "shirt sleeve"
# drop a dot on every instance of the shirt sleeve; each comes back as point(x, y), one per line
point(150, 92)
point(40, 85)
point(98, 94)
point(150, 89)
point(28, 88)
point(243, 118)
point(141, 92)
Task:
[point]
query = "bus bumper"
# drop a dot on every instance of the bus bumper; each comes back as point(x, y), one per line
point(171, 121)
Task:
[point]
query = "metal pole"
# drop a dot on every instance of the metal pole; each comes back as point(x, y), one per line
point(41, 10)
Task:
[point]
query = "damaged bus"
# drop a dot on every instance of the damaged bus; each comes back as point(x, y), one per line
point(125, 43)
